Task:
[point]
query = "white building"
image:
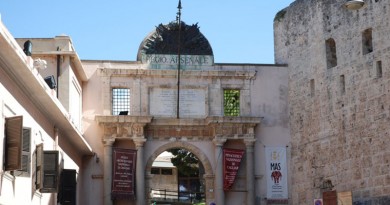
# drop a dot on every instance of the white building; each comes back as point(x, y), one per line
point(43, 145)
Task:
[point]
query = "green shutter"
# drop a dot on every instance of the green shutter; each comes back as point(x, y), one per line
point(50, 172)
point(13, 138)
point(39, 167)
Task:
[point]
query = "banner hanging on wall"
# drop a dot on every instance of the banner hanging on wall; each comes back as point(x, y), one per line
point(123, 173)
point(231, 164)
point(276, 173)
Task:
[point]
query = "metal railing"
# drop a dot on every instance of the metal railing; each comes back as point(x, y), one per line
point(175, 196)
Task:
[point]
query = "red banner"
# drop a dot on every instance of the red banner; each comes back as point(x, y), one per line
point(231, 164)
point(123, 173)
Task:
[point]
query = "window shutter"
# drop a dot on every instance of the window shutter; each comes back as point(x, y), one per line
point(26, 150)
point(39, 167)
point(50, 171)
point(67, 195)
point(13, 149)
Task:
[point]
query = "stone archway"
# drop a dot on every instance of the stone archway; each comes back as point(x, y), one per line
point(209, 174)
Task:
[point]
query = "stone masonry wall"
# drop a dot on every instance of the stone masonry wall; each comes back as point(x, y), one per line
point(339, 116)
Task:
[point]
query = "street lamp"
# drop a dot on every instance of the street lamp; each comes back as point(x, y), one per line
point(354, 4)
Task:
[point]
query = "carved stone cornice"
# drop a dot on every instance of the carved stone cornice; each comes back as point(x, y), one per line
point(234, 127)
point(140, 70)
point(115, 119)
point(129, 127)
point(123, 126)
point(236, 120)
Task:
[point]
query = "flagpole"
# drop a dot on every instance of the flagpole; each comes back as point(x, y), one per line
point(178, 19)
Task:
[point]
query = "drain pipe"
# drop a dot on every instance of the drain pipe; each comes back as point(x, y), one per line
point(58, 71)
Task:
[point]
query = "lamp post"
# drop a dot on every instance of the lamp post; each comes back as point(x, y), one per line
point(178, 19)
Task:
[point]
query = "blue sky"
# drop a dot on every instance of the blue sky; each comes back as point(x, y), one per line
point(238, 31)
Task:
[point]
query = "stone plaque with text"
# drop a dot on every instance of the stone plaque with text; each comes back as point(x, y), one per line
point(163, 102)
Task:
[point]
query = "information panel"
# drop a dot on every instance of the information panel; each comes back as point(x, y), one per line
point(123, 173)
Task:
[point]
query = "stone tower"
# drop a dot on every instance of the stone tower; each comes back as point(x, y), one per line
point(339, 98)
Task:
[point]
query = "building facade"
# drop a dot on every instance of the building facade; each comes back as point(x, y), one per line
point(42, 148)
point(153, 125)
point(101, 116)
point(338, 62)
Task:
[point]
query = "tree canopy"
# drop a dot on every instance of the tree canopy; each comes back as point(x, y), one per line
point(186, 162)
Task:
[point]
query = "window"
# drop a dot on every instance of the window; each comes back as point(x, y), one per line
point(155, 171)
point(120, 101)
point(379, 69)
point(342, 84)
point(67, 192)
point(331, 55)
point(231, 102)
point(48, 174)
point(162, 171)
point(367, 41)
point(312, 88)
point(166, 171)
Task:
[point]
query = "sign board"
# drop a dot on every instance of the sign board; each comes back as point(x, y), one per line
point(344, 198)
point(187, 62)
point(163, 102)
point(276, 173)
point(231, 164)
point(123, 173)
point(329, 197)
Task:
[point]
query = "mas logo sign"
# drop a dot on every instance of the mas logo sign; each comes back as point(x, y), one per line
point(276, 173)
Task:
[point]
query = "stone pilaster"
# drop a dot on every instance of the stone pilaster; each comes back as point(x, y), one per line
point(250, 177)
point(140, 174)
point(209, 191)
point(219, 192)
point(108, 142)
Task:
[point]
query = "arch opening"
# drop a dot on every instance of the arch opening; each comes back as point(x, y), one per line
point(168, 181)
